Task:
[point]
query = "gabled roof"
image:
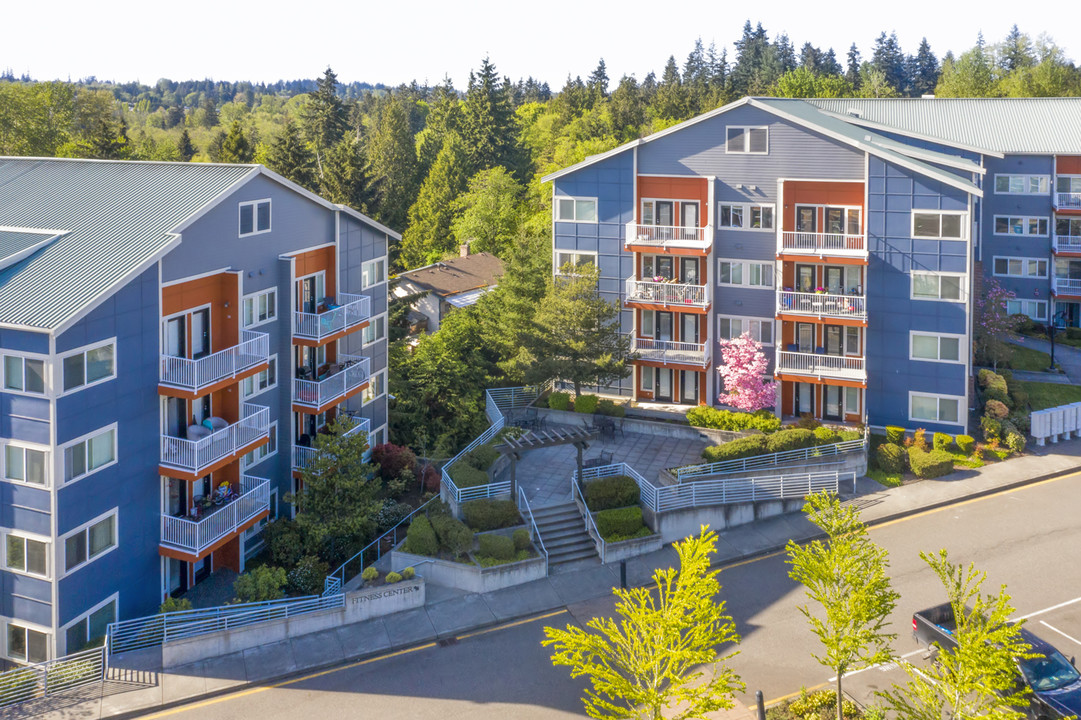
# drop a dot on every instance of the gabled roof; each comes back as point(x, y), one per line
point(457, 275)
point(19, 243)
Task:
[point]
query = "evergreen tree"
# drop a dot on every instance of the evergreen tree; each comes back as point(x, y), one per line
point(444, 116)
point(925, 70)
point(428, 236)
point(213, 148)
point(786, 54)
point(184, 147)
point(627, 109)
point(1016, 51)
point(488, 129)
point(598, 83)
point(235, 148)
point(392, 159)
point(757, 66)
point(670, 102)
point(291, 157)
point(325, 116)
point(810, 58)
point(890, 61)
point(718, 74)
point(829, 65)
point(344, 180)
point(573, 100)
point(971, 75)
point(210, 112)
point(696, 74)
point(488, 212)
point(852, 73)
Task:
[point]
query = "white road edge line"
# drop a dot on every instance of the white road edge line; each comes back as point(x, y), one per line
point(872, 667)
point(1047, 610)
point(1051, 627)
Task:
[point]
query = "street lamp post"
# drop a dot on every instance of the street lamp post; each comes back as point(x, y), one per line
point(1052, 328)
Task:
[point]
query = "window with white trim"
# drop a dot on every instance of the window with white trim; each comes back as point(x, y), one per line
point(938, 225)
point(376, 330)
point(373, 272)
point(254, 217)
point(937, 347)
point(645, 379)
point(1022, 184)
point(575, 209)
point(1068, 183)
point(1035, 309)
point(89, 366)
point(262, 452)
point(747, 274)
point(27, 644)
point(938, 286)
point(26, 465)
point(260, 308)
point(1020, 267)
point(376, 387)
point(89, 454)
point(730, 327)
point(261, 381)
point(750, 140)
point(852, 400)
point(1067, 226)
point(935, 408)
point(575, 259)
point(1024, 225)
point(26, 555)
point(90, 627)
point(89, 542)
point(743, 216)
point(23, 374)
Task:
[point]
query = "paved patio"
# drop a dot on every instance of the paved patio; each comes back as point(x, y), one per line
point(546, 474)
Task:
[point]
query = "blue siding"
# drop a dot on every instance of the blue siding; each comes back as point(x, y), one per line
point(23, 341)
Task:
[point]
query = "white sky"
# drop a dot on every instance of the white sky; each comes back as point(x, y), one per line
point(395, 41)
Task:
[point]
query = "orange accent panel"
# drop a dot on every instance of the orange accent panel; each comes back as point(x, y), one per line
point(666, 308)
point(235, 457)
point(214, 290)
point(228, 555)
point(815, 381)
point(1068, 165)
point(676, 188)
point(824, 321)
point(801, 192)
point(190, 557)
point(1068, 211)
point(650, 250)
point(788, 257)
point(313, 261)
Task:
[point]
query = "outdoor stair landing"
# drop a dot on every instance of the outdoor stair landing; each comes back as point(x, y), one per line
point(564, 534)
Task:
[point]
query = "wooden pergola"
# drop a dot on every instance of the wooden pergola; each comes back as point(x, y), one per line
point(513, 448)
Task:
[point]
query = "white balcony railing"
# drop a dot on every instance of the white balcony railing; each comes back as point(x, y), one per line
point(822, 305)
point(825, 244)
point(194, 375)
point(1068, 286)
point(667, 351)
point(197, 454)
point(822, 366)
point(664, 293)
point(195, 536)
point(1067, 201)
point(1066, 243)
point(353, 310)
point(303, 456)
point(351, 373)
point(666, 236)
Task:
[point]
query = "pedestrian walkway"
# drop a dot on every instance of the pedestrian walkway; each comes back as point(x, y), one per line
point(138, 684)
point(1066, 356)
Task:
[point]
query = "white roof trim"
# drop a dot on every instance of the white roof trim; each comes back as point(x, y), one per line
point(932, 157)
point(863, 122)
point(364, 218)
point(593, 159)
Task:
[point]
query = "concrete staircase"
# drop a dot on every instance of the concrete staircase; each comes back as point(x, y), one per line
point(564, 534)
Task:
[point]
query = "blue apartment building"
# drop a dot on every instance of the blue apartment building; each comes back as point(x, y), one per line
point(849, 236)
point(173, 337)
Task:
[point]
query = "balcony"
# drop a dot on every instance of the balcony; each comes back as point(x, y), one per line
point(195, 376)
point(304, 455)
point(665, 237)
point(823, 244)
point(345, 378)
point(204, 448)
point(646, 292)
point(670, 352)
point(197, 536)
point(335, 321)
point(1068, 286)
point(1068, 201)
point(822, 305)
point(840, 367)
point(1066, 243)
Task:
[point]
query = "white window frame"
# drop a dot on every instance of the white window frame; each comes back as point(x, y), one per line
point(1025, 220)
point(62, 451)
point(24, 446)
point(372, 324)
point(34, 537)
point(62, 637)
point(961, 409)
point(1028, 178)
point(254, 204)
point(272, 308)
point(364, 284)
point(272, 362)
point(747, 209)
point(368, 395)
point(935, 273)
point(556, 265)
point(745, 273)
point(746, 320)
point(576, 199)
point(939, 336)
point(59, 367)
point(62, 570)
point(46, 373)
point(263, 452)
point(40, 629)
point(1074, 180)
point(1023, 302)
point(960, 213)
point(746, 139)
point(845, 409)
point(1026, 262)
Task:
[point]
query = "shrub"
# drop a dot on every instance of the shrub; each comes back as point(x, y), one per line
point(1021, 420)
point(735, 449)
point(890, 458)
point(260, 584)
point(1023, 323)
point(1073, 333)
point(420, 537)
point(409, 573)
point(611, 492)
point(465, 475)
point(559, 401)
point(930, 464)
point(482, 457)
point(308, 576)
point(709, 417)
point(619, 522)
point(392, 513)
point(173, 604)
point(452, 534)
point(1015, 441)
point(807, 421)
point(369, 574)
point(793, 439)
point(996, 410)
point(1017, 394)
point(485, 514)
point(609, 407)
point(919, 439)
point(942, 441)
point(393, 577)
point(895, 435)
point(499, 547)
point(520, 538)
point(284, 543)
point(992, 429)
point(984, 376)
point(430, 478)
point(846, 435)
point(824, 436)
point(965, 443)
point(586, 404)
point(393, 459)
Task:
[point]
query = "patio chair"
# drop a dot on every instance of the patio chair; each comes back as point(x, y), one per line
point(605, 457)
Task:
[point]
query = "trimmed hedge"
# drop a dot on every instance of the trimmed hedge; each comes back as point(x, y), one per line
point(420, 537)
point(608, 407)
point(520, 538)
point(824, 436)
point(965, 443)
point(499, 547)
point(393, 577)
point(890, 458)
point(846, 435)
point(482, 457)
point(996, 409)
point(736, 449)
point(487, 514)
point(408, 573)
point(709, 417)
point(559, 400)
point(586, 404)
point(1015, 441)
point(452, 534)
point(992, 429)
point(611, 492)
point(620, 521)
point(790, 440)
point(942, 441)
point(930, 464)
point(895, 435)
point(465, 475)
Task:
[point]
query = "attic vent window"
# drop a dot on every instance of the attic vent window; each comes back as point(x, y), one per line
point(254, 217)
point(751, 140)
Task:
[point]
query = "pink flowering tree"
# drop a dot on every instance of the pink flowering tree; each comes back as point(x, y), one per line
point(994, 325)
point(743, 369)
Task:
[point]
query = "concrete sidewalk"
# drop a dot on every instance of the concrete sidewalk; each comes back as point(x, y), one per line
point(137, 684)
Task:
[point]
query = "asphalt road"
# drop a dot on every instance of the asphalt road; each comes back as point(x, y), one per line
point(1025, 539)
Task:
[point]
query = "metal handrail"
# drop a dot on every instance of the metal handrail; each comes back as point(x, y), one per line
point(523, 506)
point(666, 293)
point(198, 535)
point(669, 351)
point(591, 525)
point(354, 310)
point(302, 455)
point(317, 393)
point(1067, 200)
point(668, 236)
point(1067, 243)
point(38, 680)
point(1067, 284)
point(822, 304)
point(690, 472)
point(844, 366)
point(194, 455)
point(824, 243)
point(196, 374)
point(736, 490)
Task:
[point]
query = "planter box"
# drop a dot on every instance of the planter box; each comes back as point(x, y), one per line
point(626, 549)
point(676, 431)
point(380, 600)
point(471, 577)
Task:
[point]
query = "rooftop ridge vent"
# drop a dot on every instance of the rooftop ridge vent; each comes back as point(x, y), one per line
point(854, 112)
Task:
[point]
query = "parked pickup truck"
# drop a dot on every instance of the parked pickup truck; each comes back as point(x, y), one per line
point(1054, 681)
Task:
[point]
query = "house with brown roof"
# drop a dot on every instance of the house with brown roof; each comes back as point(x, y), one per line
point(448, 284)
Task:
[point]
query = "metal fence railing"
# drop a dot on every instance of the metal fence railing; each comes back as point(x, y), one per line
point(591, 525)
point(527, 513)
point(195, 374)
point(351, 374)
point(195, 536)
point(196, 455)
point(353, 310)
point(736, 490)
point(32, 682)
point(757, 462)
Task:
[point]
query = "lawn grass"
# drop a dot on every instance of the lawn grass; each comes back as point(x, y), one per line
point(1060, 337)
point(962, 460)
point(884, 478)
point(1046, 395)
point(1024, 358)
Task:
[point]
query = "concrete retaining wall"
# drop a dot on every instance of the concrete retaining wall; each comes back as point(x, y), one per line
point(626, 549)
point(675, 525)
point(855, 461)
point(471, 577)
point(676, 431)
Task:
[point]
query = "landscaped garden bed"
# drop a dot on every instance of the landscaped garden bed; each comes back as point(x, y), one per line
point(793, 438)
point(613, 504)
